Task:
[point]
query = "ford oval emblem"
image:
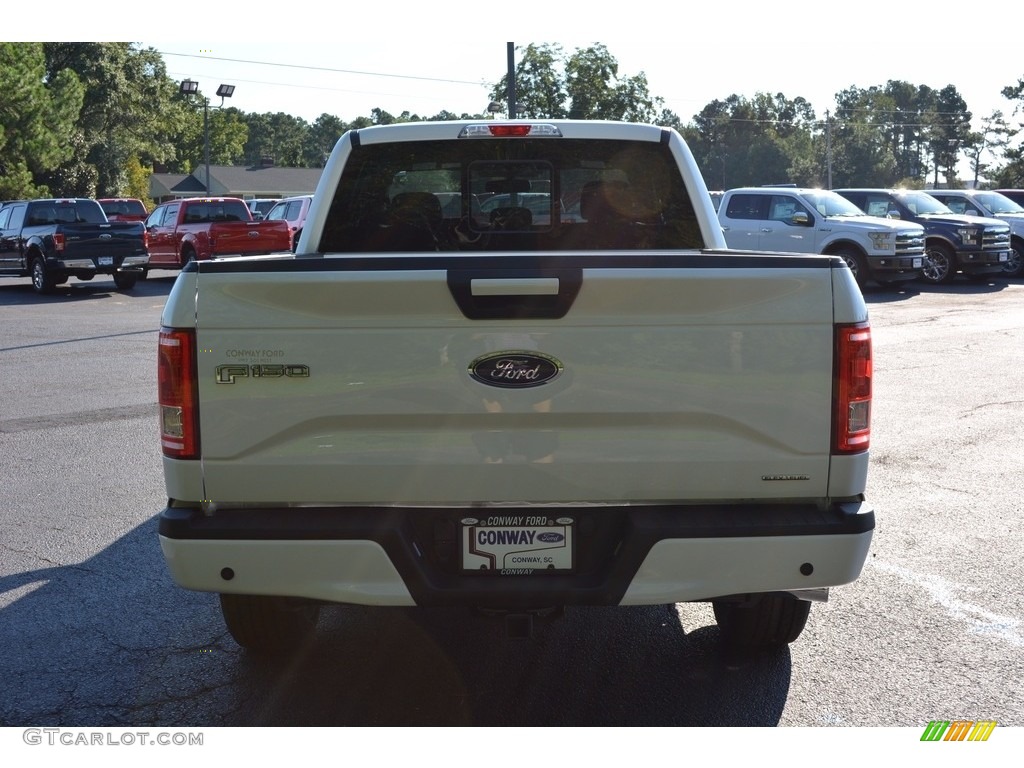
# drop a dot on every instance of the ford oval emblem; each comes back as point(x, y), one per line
point(550, 537)
point(514, 370)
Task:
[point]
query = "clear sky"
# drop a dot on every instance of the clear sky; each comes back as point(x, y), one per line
point(349, 78)
point(304, 58)
point(345, 59)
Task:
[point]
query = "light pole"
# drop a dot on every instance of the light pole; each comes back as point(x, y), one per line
point(190, 89)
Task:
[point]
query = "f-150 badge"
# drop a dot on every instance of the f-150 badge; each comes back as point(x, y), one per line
point(227, 374)
point(514, 370)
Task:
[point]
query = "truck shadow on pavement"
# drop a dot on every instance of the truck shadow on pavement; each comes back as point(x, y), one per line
point(111, 641)
point(102, 287)
point(594, 666)
point(961, 286)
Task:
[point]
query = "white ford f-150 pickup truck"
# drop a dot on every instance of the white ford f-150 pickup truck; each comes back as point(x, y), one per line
point(571, 395)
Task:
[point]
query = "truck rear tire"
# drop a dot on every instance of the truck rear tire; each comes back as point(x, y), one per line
point(125, 281)
point(265, 624)
point(761, 622)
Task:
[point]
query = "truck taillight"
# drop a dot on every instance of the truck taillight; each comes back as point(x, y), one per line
point(852, 427)
point(178, 395)
point(58, 241)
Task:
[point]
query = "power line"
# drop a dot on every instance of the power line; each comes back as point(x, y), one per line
point(322, 69)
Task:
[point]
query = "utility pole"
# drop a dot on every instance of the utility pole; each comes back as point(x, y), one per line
point(511, 80)
point(828, 147)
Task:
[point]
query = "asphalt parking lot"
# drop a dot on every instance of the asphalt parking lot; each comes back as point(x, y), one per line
point(96, 634)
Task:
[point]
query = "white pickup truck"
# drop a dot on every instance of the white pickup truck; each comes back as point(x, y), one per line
point(576, 397)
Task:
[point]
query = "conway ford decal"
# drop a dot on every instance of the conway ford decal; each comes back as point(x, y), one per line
point(514, 370)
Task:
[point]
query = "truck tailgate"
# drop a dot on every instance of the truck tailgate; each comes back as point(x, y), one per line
point(324, 384)
point(102, 240)
point(253, 237)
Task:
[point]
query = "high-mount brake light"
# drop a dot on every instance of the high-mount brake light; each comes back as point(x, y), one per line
point(852, 427)
point(178, 395)
point(509, 130)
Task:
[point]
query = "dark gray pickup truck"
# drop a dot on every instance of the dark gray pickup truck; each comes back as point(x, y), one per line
point(54, 239)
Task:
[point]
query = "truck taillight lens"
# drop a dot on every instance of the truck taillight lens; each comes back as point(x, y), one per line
point(178, 396)
point(58, 241)
point(852, 428)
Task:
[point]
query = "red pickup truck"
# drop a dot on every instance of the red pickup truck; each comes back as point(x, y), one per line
point(197, 229)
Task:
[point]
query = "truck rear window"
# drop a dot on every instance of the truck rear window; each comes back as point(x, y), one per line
point(510, 194)
point(123, 207)
point(226, 210)
point(65, 212)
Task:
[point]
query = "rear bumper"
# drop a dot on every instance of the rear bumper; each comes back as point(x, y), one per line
point(96, 265)
point(625, 555)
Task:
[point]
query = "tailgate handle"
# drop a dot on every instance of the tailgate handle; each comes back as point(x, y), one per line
point(507, 294)
point(536, 286)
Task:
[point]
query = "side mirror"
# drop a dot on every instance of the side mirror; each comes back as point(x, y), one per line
point(801, 219)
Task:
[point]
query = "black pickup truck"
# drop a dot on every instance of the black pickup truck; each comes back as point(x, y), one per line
point(953, 243)
point(52, 240)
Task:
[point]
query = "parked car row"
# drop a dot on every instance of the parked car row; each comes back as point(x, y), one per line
point(51, 240)
point(954, 243)
point(884, 235)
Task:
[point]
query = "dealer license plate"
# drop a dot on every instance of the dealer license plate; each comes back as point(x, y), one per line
point(517, 545)
point(106, 261)
point(1004, 256)
point(918, 263)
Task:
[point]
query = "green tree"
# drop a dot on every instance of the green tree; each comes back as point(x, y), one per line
point(276, 135)
point(740, 141)
point(138, 181)
point(597, 93)
point(320, 139)
point(860, 144)
point(992, 140)
point(901, 117)
point(949, 128)
point(540, 83)
point(1010, 175)
point(586, 85)
point(130, 108)
point(37, 120)
point(381, 117)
